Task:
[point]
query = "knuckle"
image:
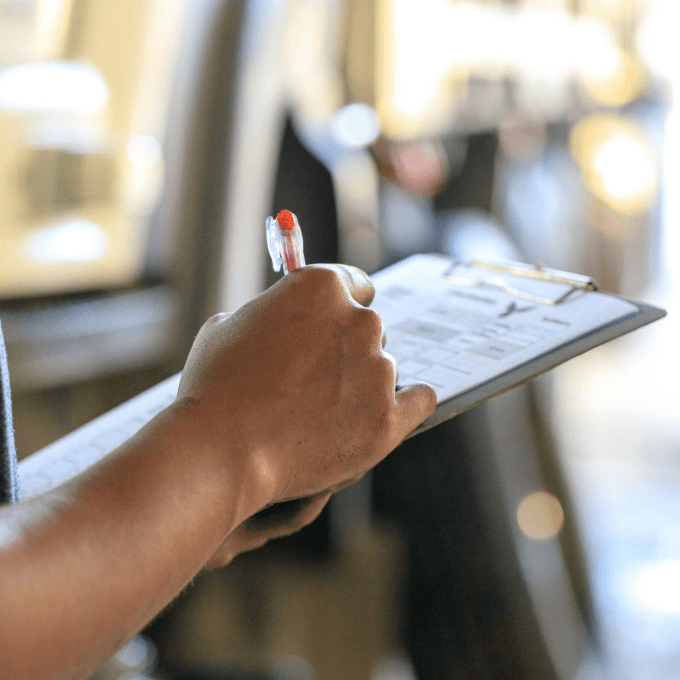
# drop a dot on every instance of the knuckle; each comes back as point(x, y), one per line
point(388, 367)
point(369, 320)
point(321, 278)
point(215, 319)
point(321, 286)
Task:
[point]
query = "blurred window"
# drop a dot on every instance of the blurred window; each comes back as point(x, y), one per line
point(84, 98)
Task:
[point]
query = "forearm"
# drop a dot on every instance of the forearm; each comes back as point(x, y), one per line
point(85, 567)
point(290, 397)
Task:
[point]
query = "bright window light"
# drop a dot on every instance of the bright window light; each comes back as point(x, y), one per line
point(53, 86)
point(655, 587)
point(618, 162)
point(430, 49)
point(624, 167)
point(657, 40)
point(144, 151)
point(598, 56)
point(75, 241)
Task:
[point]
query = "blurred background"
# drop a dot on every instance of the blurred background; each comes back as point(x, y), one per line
point(142, 145)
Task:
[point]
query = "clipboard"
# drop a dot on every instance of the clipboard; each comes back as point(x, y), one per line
point(508, 278)
point(80, 449)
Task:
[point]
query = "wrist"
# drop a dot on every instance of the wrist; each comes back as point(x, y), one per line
point(229, 463)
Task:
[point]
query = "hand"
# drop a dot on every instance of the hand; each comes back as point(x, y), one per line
point(297, 385)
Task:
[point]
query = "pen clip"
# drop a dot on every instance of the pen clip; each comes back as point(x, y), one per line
point(274, 243)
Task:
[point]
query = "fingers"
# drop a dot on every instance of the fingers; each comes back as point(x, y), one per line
point(286, 517)
point(290, 517)
point(414, 404)
point(357, 282)
point(308, 513)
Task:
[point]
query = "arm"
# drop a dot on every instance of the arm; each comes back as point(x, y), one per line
point(291, 397)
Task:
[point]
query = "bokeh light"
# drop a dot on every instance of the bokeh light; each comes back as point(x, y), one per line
point(617, 161)
point(540, 516)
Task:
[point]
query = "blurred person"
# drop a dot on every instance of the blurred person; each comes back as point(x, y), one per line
point(284, 402)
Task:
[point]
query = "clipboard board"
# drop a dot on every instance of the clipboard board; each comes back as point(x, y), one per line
point(536, 292)
point(492, 284)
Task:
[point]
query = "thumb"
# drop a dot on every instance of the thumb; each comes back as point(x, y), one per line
point(414, 404)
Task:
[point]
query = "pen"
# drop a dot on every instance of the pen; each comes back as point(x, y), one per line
point(284, 241)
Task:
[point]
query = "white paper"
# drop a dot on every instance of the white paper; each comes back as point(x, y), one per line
point(77, 451)
point(457, 336)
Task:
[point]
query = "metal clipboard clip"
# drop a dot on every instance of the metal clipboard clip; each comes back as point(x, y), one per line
point(498, 269)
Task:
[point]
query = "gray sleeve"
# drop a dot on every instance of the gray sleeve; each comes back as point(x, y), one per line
point(10, 490)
